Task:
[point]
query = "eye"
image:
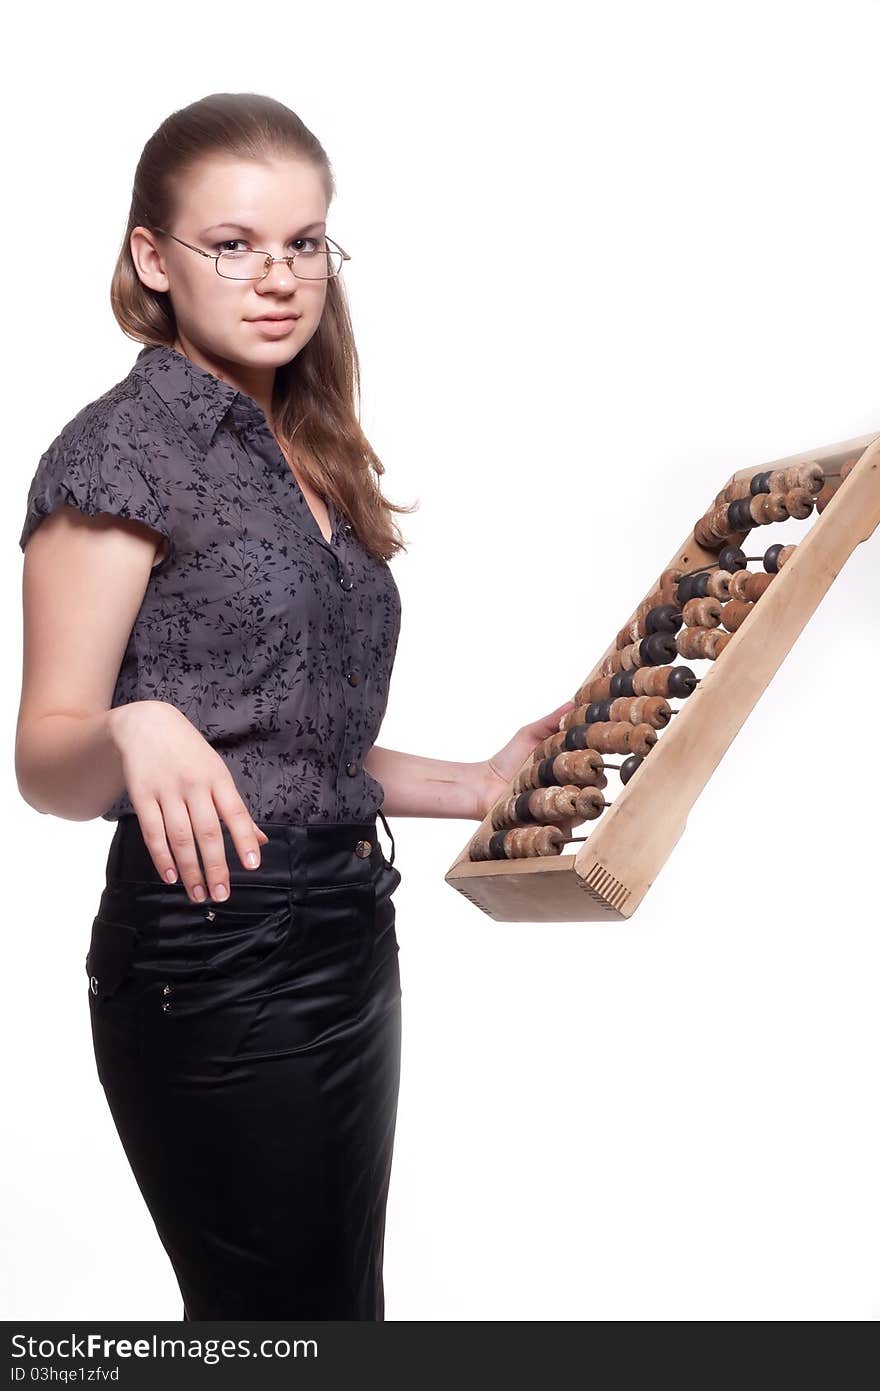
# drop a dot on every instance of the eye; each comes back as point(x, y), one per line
point(307, 244)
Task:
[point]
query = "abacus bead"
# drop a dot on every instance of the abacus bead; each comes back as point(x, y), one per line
point(719, 584)
point(770, 558)
point(738, 584)
point(629, 766)
point(739, 516)
point(682, 682)
point(799, 502)
point(755, 586)
point(657, 711)
point(669, 578)
point(662, 648)
point(732, 558)
point(824, 497)
point(641, 738)
point(735, 613)
point(686, 589)
point(665, 618)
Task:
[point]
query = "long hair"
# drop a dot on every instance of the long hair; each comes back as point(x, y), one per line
point(315, 402)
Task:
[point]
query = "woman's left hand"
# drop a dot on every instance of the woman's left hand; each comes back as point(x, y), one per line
point(495, 774)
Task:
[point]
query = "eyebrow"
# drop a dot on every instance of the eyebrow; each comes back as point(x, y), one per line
point(249, 231)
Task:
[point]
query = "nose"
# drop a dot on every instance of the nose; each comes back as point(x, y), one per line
point(283, 281)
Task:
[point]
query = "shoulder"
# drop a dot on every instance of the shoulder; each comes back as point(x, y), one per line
point(124, 423)
point(102, 461)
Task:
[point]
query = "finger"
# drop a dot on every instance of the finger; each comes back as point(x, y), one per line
point(149, 815)
point(244, 830)
point(209, 838)
point(550, 722)
point(179, 834)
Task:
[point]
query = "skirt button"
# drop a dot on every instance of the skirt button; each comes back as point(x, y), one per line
point(363, 848)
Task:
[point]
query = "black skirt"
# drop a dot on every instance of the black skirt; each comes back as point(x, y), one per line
point(249, 1051)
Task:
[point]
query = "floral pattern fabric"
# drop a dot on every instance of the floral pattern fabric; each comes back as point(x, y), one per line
point(275, 643)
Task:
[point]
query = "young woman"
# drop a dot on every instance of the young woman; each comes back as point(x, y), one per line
point(210, 629)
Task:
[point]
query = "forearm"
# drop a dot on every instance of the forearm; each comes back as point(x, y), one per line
point(418, 786)
point(69, 765)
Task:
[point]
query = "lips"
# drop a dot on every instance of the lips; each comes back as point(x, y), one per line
point(274, 318)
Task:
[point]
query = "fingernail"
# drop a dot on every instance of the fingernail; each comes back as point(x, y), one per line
point(198, 893)
point(220, 891)
point(171, 876)
point(251, 858)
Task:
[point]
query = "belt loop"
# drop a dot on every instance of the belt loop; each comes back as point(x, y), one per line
point(390, 836)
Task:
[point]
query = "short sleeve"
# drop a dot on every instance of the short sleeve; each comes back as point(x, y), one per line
point(95, 471)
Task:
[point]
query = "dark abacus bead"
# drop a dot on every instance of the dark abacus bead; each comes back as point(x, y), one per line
point(594, 712)
point(658, 649)
point(681, 683)
point(685, 590)
point(496, 846)
point(521, 807)
point(629, 766)
point(665, 618)
point(771, 556)
point(546, 777)
point(621, 684)
point(732, 558)
point(739, 517)
point(604, 709)
point(693, 587)
point(760, 483)
point(577, 737)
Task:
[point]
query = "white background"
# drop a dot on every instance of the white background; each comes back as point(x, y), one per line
point(602, 256)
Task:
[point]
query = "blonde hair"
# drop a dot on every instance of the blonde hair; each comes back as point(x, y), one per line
point(315, 395)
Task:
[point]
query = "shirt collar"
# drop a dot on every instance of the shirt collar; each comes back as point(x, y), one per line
point(197, 399)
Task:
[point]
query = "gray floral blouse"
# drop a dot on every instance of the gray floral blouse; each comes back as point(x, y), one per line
point(275, 643)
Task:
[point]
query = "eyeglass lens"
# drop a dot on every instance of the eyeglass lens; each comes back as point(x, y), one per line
point(318, 264)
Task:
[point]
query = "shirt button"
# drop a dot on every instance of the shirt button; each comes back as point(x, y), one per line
point(354, 677)
point(351, 769)
point(347, 582)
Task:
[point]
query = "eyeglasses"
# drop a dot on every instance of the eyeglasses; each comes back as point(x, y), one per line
point(318, 264)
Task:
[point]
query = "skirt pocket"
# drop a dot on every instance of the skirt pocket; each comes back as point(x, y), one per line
point(212, 942)
point(115, 995)
point(110, 956)
point(211, 966)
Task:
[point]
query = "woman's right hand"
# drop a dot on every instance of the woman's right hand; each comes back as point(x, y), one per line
point(180, 789)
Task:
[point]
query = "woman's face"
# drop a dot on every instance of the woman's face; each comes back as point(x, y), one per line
point(283, 203)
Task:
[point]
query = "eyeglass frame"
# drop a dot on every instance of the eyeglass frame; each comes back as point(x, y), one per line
point(270, 259)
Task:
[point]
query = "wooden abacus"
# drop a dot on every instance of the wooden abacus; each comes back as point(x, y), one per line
point(513, 866)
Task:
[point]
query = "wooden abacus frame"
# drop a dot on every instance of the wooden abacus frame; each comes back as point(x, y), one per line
point(610, 874)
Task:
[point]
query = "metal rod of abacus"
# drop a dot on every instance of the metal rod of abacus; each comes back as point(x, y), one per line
point(714, 565)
